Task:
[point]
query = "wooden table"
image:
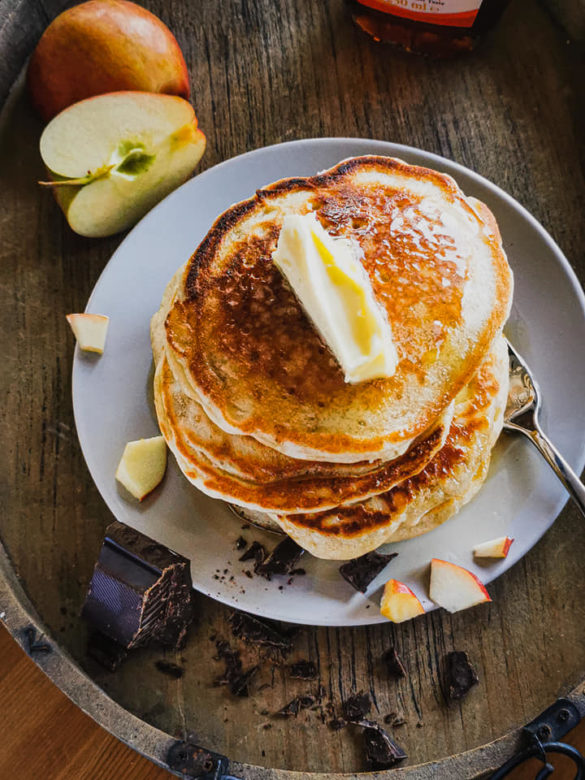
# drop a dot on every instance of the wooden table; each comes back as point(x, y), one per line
point(264, 73)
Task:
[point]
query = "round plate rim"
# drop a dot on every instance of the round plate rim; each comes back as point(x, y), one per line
point(387, 148)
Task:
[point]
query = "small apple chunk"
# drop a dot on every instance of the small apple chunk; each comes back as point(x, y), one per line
point(142, 466)
point(104, 46)
point(399, 603)
point(495, 548)
point(454, 587)
point(90, 331)
point(111, 158)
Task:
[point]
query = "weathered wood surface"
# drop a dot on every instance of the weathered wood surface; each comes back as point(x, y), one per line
point(264, 73)
point(56, 741)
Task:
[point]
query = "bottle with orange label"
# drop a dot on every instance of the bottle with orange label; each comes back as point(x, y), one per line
point(439, 28)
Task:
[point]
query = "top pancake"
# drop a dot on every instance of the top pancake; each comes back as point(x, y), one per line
point(259, 367)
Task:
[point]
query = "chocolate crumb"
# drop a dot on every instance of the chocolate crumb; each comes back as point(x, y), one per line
point(359, 572)
point(234, 676)
point(281, 560)
point(389, 719)
point(296, 705)
point(264, 712)
point(248, 574)
point(399, 722)
point(393, 662)
point(170, 669)
point(298, 572)
point(252, 629)
point(381, 751)
point(267, 726)
point(356, 707)
point(336, 724)
point(256, 552)
point(303, 670)
point(241, 543)
point(460, 676)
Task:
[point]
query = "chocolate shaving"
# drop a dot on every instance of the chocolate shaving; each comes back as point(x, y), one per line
point(296, 705)
point(460, 676)
point(359, 572)
point(281, 560)
point(252, 629)
point(170, 669)
point(356, 707)
point(381, 751)
point(256, 552)
point(303, 670)
point(393, 662)
point(234, 675)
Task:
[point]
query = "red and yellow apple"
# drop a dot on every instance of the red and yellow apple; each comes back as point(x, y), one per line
point(495, 548)
point(142, 466)
point(104, 46)
point(399, 603)
point(454, 587)
point(90, 331)
point(111, 158)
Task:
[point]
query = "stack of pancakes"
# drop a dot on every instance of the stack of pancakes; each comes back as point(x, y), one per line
point(254, 405)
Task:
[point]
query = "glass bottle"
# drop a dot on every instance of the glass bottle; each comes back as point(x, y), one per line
point(439, 28)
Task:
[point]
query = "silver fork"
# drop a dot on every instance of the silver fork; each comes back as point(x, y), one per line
point(522, 415)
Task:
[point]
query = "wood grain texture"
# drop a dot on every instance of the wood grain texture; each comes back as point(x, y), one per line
point(264, 73)
point(55, 740)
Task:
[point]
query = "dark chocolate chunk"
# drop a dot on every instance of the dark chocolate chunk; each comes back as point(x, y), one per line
point(170, 669)
point(303, 670)
point(255, 552)
point(359, 572)
point(260, 632)
point(241, 543)
point(292, 708)
point(140, 591)
point(381, 751)
point(356, 707)
point(281, 560)
point(235, 677)
point(460, 676)
point(393, 662)
point(105, 651)
point(296, 705)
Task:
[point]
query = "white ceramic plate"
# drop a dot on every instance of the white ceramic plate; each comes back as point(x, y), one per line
point(111, 394)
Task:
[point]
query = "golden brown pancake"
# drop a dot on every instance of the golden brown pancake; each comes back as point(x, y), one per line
point(214, 461)
point(426, 500)
point(252, 358)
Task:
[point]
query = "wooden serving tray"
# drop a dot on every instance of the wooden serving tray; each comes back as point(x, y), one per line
point(262, 73)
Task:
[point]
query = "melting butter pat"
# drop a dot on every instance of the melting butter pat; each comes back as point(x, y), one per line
point(336, 293)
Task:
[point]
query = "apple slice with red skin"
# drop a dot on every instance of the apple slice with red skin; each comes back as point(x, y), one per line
point(495, 548)
point(111, 158)
point(455, 588)
point(90, 330)
point(399, 603)
point(104, 46)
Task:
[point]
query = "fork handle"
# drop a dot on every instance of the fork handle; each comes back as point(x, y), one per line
point(558, 464)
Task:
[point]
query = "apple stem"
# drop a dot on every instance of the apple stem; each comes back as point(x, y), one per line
point(80, 181)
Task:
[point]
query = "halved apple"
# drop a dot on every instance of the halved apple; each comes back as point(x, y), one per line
point(111, 158)
point(90, 330)
point(495, 548)
point(399, 603)
point(142, 466)
point(454, 587)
